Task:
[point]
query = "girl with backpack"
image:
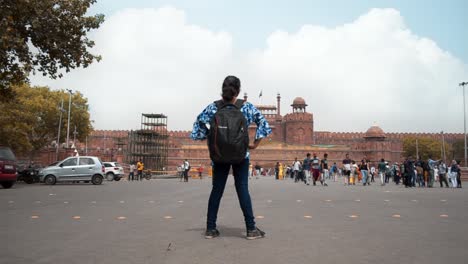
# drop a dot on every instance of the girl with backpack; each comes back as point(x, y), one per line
point(228, 144)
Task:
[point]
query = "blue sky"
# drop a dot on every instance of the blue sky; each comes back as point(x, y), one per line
point(250, 22)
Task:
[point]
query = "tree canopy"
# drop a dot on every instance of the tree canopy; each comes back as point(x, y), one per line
point(427, 147)
point(48, 36)
point(30, 121)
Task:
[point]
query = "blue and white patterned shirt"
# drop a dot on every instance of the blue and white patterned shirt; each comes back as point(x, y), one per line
point(251, 114)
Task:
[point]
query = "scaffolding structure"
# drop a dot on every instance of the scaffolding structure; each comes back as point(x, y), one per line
point(150, 143)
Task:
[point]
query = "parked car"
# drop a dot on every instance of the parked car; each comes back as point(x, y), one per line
point(8, 167)
point(114, 171)
point(73, 169)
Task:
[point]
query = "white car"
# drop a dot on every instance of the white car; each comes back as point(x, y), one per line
point(113, 171)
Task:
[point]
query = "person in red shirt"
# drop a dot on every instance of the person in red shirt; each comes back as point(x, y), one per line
point(200, 171)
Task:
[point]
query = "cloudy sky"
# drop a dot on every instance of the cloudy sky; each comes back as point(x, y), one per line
point(396, 63)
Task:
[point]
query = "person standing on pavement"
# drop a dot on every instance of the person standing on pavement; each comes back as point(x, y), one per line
point(200, 172)
point(324, 167)
point(432, 166)
point(186, 170)
point(454, 171)
point(315, 169)
point(296, 168)
point(347, 169)
point(382, 168)
point(443, 174)
point(364, 167)
point(131, 174)
point(231, 115)
point(306, 168)
point(140, 168)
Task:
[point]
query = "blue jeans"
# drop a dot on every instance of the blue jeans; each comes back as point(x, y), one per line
point(364, 176)
point(241, 179)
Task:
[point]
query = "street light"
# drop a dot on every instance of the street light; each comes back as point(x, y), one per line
point(463, 84)
point(69, 110)
point(59, 128)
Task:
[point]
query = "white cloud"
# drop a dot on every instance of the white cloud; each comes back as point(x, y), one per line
point(372, 69)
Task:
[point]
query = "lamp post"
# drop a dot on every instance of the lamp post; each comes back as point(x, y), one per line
point(463, 84)
point(69, 111)
point(59, 128)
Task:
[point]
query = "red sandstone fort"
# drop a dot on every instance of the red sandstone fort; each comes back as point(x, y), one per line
point(293, 136)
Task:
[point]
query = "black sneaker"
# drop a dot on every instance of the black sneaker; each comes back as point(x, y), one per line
point(211, 233)
point(254, 234)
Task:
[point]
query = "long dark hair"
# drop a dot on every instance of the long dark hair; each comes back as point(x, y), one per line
point(231, 88)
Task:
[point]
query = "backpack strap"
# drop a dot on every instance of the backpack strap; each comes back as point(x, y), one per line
point(221, 104)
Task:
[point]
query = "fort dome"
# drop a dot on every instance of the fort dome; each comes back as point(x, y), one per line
point(375, 132)
point(299, 101)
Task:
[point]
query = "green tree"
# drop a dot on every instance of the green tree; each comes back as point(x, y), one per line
point(48, 36)
point(29, 122)
point(458, 150)
point(427, 147)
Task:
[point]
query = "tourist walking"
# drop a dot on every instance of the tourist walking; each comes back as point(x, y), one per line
point(364, 167)
point(306, 168)
point(454, 170)
point(442, 170)
point(432, 166)
point(200, 172)
point(372, 173)
point(296, 168)
point(315, 169)
point(324, 168)
point(347, 169)
point(233, 116)
point(382, 167)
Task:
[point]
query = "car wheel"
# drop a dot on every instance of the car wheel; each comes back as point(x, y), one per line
point(110, 176)
point(117, 178)
point(97, 179)
point(50, 180)
point(8, 185)
point(29, 180)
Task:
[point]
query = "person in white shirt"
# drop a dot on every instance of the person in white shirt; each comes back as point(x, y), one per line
point(296, 167)
point(131, 175)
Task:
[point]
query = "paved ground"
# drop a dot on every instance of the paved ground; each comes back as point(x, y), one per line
point(163, 221)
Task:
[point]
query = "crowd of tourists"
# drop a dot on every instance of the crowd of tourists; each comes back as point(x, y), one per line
point(410, 173)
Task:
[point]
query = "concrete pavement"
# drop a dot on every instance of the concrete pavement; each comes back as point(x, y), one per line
point(163, 221)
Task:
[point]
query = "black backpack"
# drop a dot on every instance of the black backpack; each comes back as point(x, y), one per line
point(228, 138)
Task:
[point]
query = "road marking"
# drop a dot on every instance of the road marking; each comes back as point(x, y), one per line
point(52, 194)
point(35, 217)
point(121, 218)
point(387, 201)
point(353, 216)
point(99, 220)
point(93, 202)
point(65, 202)
point(151, 202)
point(180, 201)
point(298, 201)
point(260, 217)
point(122, 201)
point(357, 200)
point(269, 201)
point(307, 216)
point(38, 202)
point(444, 216)
point(387, 191)
point(77, 217)
point(443, 201)
point(10, 202)
point(396, 216)
point(168, 217)
point(328, 201)
point(414, 201)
